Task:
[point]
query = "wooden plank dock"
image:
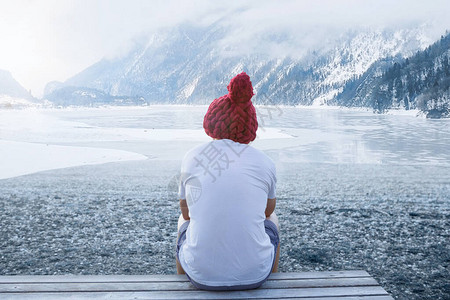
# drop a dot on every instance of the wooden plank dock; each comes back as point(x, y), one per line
point(350, 285)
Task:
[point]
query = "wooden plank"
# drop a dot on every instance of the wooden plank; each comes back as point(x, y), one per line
point(197, 294)
point(174, 286)
point(148, 278)
point(346, 298)
point(101, 297)
point(341, 285)
point(310, 283)
point(89, 278)
point(324, 274)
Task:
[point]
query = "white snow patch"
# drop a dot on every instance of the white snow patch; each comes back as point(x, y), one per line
point(404, 112)
point(21, 158)
point(8, 102)
point(189, 89)
point(323, 99)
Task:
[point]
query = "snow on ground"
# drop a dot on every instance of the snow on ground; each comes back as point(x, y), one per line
point(403, 112)
point(25, 145)
point(20, 158)
point(8, 102)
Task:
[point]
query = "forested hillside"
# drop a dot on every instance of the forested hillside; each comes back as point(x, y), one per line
point(421, 81)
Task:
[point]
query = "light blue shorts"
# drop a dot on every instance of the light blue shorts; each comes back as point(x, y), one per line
point(272, 232)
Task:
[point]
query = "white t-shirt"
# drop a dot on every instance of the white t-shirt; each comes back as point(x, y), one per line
point(226, 185)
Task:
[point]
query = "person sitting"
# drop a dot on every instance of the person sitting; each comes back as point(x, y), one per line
point(228, 233)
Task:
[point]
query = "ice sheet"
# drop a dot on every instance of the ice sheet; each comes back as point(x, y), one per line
point(34, 140)
point(39, 126)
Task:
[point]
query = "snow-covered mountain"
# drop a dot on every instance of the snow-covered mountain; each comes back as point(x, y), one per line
point(12, 94)
point(421, 81)
point(188, 64)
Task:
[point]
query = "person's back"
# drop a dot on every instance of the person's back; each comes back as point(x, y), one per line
point(228, 243)
point(229, 204)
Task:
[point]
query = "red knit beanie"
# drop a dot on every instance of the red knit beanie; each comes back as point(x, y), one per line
point(233, 116)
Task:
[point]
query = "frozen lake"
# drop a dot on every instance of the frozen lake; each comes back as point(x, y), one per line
point(93, 191)
point(288, 134)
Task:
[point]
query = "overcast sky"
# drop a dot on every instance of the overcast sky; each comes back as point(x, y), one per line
point(45, 40)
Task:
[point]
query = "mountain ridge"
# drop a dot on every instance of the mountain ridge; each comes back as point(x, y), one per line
point(182, 65)
point(421, 81)
point(10, 87)
point(12, 93)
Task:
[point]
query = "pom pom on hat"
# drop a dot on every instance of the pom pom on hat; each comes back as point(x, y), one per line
point(233, 116)
point(240, 88)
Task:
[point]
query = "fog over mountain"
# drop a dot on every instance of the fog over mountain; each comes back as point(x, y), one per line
point(52, 40)
point(10, 87)
point(12, 94)
point(190, 63)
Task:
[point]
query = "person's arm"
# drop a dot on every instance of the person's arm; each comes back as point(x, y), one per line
point(270, 206)
point(184, 209)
